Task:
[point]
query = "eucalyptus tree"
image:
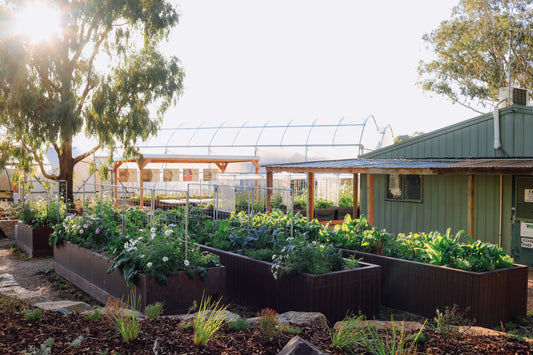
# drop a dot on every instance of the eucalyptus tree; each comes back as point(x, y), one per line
point(101, 73)
point(472, 59)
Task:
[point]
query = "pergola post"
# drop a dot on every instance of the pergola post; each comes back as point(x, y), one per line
point(471, 210)
point(370, 198)
point(355, 188)
point(269, 185)
point(310, 196)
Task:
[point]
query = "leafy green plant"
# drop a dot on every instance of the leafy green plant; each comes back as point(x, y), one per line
point(95, 316)
point(350, 335)
point(321, 203)
point(346, 195)
point(44, 349)
point(153, 310)
point(446, 322)
point(268, 323)
point(126, 323)
point(238, 324)
point(209, 319)
point(289, 329)
point(32, 315)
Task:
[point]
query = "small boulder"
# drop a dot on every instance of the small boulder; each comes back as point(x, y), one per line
point(304, 319)
point(299, 346)
point(59, 306)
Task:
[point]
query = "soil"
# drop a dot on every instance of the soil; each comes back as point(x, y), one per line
point(18, 334)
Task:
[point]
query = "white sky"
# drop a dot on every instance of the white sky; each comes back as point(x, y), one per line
point(281, 60)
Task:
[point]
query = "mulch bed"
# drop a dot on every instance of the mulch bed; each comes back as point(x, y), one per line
point(18, 334)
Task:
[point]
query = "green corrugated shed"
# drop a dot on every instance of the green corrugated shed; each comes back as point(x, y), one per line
point(445, 197)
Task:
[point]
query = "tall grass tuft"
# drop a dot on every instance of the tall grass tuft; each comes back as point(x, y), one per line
point(210, 318)
point(127, 323)
point(352, 334)
point(396, 342)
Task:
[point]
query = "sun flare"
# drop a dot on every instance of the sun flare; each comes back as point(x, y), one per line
point(38, 22)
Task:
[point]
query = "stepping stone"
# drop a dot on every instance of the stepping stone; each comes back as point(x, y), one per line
point(60, 306)
point(299, 346)
point(299, 319)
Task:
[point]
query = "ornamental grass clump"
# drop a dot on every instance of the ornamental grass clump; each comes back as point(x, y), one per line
point(397, 342)
point(127, 323)
point(350, 335)
point(210, 318)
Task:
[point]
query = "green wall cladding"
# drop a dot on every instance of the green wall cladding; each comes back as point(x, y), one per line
point(445, 205)
point(473, 138)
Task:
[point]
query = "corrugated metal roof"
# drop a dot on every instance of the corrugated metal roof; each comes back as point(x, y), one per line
point(412, 166)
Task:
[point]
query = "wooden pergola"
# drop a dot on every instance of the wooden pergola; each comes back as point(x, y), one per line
point(221, 161)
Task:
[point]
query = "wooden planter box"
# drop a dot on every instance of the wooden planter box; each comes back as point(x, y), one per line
point(88, 271)
point(420, 288)
point(325, 214)
point(34, 241)
point(250, 282)
point(343, 211)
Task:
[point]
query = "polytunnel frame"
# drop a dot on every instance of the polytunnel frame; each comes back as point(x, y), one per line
point(264, 127)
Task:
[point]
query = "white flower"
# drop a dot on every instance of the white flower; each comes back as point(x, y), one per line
point(126, 245)
point(142, 256)
point(81, 231)
point(152, 230)
point(149, 264)
point(152, 236)
point(172, 225)
point(165, 259)
point(168, 232)
point(186, 262)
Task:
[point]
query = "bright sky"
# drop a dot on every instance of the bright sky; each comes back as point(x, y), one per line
point(281, 60)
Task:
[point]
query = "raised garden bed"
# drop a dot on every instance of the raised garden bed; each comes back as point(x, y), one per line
point(34, 241)
point(88, 270)
point(492, 296)
point(250, 282)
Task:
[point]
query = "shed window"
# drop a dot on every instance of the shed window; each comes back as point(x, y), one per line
point(404, 188)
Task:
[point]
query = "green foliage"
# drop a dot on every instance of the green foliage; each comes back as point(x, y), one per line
point(350, 335)
point(321, 203)
point(95, 316)
point(268, 323)
point(32, 315)
point(41, 213)
point(153, 310)
point(346, 195)
point(49, 96)
point(288, 329)
point(210, 318)
point(44, 349)
point(238, 324)
point(471, 51)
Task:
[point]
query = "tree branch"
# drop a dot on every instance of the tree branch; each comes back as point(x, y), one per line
point(86, 154)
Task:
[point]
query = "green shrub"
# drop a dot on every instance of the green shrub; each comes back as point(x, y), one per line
point(238, 324)
point(153, 310)
point(32, 316)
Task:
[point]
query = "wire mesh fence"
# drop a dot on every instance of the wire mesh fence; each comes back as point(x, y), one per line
point(45, 198)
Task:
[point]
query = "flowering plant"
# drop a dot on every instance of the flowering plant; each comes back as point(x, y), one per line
point(85, 230)
point(159, 254)
point(40, 213)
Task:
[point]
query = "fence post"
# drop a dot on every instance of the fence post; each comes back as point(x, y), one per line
point(215, 204)
point(152, 207)
point(123, 203)
point(291, 203)
point(186, 225)
point(101, 200)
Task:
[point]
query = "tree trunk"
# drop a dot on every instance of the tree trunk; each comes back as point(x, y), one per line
point(66, 174)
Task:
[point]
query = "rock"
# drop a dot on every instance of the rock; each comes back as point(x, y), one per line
point(71, 306)
point(27, 296)
point(299, 319)
point(299, 346)
point(228, 316)
point(408, 327)
point(479, 331)
point(8, 228)
point(7, 280)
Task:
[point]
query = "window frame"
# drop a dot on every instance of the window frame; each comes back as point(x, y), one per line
point(403, 188)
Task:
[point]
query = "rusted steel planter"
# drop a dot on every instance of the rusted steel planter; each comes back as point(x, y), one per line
point(34, 241)
point(87, 270)
point(420, 288)
point(250, 282)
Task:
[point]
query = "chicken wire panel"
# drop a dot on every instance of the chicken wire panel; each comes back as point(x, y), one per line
point(47, 195)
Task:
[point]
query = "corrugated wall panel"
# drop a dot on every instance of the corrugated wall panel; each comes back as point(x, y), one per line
point(518, 138)
point(444, 206)
point(528, 143)
point(507, 213)
point(487, 207)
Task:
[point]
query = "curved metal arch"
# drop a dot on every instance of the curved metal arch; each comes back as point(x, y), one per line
point(383, 132)
point(307, 139)
point(194, 134)
point(216, 132)
point(336, 128)
point(361, 147)
point(238, 132)
point(172, 135)
point(284, 132)
point(259, 136)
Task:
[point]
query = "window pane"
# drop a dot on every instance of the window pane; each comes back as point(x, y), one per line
point(412, 188)
point(394, 188)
